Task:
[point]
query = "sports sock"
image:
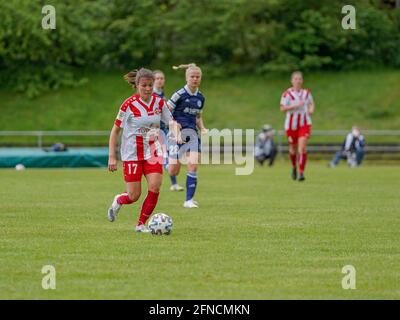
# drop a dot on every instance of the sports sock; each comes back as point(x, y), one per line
point(148, 206)
point(191, 183)
point(124, 199)
point(293, 159)
point(173, 180)
point(302, 161)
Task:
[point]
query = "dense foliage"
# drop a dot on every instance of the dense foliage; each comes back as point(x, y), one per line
point(228, 36)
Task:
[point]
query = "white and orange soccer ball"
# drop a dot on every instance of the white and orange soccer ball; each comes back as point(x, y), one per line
point(160, 223)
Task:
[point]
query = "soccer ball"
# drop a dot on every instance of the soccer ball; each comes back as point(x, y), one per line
point(160, 224)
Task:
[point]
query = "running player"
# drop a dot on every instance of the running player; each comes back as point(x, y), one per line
point(187, 104)
point(158, 89)
point(298, 104)
point(139, 117)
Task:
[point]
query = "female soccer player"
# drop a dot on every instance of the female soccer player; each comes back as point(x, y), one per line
point(187, 104)
point(158, 89)
point(139, 117)
point(298, 104)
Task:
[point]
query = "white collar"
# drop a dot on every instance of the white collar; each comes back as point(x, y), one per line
point(146, 103)
point(190, 92)
point(157, 92)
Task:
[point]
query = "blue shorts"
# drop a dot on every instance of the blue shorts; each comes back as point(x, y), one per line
point(193, 144)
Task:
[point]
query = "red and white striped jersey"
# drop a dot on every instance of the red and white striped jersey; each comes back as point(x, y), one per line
point(140, 122)
point(298, 117)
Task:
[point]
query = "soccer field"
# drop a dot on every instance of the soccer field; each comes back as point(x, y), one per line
point(262, 236)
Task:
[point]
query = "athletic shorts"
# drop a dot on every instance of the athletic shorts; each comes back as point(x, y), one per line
point(294, 135)
point(133, 170)
point(193, 144)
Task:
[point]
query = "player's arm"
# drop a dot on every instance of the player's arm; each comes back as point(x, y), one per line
point(175, 129)
point(173, 101)
point(291, 106)
point(173, 126)
point(311, 105)
point(112, 145)
point(200, 123)
point(119, 123)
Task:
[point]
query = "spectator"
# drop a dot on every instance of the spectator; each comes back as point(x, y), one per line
point(57, 147)
point(265, 147)
point(352, 149)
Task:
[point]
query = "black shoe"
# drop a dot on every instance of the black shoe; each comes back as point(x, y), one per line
point(301, 177)
point(294, 173)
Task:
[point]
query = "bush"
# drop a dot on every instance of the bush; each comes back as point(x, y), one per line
point(33, 60)
point(226, 37)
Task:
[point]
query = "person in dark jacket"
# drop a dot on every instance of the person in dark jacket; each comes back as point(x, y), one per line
point(265, 147)
point(352, 149)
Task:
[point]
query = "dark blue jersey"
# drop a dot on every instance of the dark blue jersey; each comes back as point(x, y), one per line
point(163, 126)
point(186, 106)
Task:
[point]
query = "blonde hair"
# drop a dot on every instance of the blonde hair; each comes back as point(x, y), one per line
point(133, 77)
point(158, 71)
point(295, 73)
point(189, 67)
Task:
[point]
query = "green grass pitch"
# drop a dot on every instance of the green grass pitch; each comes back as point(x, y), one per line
point(262, 236)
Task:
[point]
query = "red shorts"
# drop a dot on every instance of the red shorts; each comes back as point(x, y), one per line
point(133, 170)
point(294, 135)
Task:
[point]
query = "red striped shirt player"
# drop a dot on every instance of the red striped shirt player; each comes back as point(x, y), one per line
point(139, 117)
point(298, 104)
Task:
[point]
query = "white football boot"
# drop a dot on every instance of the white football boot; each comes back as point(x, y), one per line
point(142, 228)
point(113, 210)
point(176, 187)
point(191, 204)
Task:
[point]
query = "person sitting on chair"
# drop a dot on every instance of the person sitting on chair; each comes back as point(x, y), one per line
point(352, 149)
point(265, 147)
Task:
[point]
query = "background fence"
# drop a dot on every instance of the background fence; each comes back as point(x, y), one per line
point(380, 144)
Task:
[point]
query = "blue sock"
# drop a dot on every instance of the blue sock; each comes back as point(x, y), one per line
point(191, 183)
point(173, 179)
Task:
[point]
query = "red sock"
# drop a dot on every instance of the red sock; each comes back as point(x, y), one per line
point(302, 161)
point(124, 199)
point(293, 159)
point(148, 206)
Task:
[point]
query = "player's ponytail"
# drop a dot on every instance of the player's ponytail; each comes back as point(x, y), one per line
point(184, 66)
point(130, 77)
point(133, 77)
point(189, 67)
